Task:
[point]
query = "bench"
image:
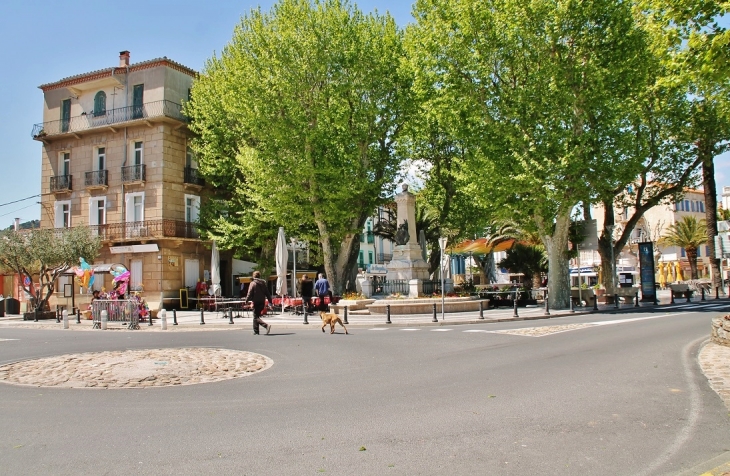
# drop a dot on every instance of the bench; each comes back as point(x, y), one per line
point(584, 295)
point(681, 290)
point(628, 295)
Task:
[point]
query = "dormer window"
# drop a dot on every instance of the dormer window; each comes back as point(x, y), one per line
point(100, 103)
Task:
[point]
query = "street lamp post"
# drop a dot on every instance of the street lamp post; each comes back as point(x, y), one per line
point(294, 273)
point(442, 246)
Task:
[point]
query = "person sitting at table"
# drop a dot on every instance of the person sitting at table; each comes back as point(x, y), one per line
point(201, 289)
point(306, 288)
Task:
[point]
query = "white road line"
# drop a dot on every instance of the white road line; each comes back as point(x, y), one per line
point(477, 330)
point(379, 329)
point(7, 339)
point(410, 329)
point(441, 330)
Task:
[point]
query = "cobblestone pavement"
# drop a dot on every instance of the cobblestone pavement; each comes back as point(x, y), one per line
point(135, 368)
point(715, 362)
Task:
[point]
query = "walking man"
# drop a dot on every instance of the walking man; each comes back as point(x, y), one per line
point(322, 287)
point(258, 293)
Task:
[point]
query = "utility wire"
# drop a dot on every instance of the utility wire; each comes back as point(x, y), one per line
point(16, 201)
point(11, 213)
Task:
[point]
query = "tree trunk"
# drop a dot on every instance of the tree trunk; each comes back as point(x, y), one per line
point(692, 258)
point(710, 191)
point(558, 268)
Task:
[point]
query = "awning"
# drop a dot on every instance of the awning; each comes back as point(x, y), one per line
point(480, 247)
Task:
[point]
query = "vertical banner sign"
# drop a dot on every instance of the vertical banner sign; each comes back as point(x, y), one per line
point(646, 273)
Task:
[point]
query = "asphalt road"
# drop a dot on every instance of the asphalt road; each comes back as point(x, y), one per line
point(624, 398)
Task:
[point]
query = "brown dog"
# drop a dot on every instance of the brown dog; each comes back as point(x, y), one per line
point(329, 318)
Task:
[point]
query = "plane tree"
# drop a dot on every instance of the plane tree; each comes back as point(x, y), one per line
point(313, 98)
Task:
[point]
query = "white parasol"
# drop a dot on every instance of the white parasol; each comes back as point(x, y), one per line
point(281, 260)
point(215, 271)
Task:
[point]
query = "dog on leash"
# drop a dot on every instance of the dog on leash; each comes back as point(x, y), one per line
point(329, 318)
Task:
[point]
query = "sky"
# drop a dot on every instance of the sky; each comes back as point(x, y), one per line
point(46, 41)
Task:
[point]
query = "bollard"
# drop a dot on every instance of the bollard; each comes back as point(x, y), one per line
point(671, 293)
point(104, 319)
point(636, 303)
point(65, 319)
point(78, 316)
point(572, 306)
point(346, 315)
point(35, 313)
point(163, 319)
point(481, 309)
point(435, 319)
point(702, 290)
point(174, 317)
point(547, 306)
point(149, 318)
point(202, 319)
point(387, 314)
point(615, 300)
point(515, 313)
point(595, 302)
point(305, 316)
point(717, 292)
point(58, 314)
point(689, 293)
point(230, 316)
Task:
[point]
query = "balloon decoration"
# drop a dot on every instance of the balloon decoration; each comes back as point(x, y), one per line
point(121, 279)
point(84, 274)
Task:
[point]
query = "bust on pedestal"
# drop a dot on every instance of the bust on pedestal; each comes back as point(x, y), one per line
point(407, 262)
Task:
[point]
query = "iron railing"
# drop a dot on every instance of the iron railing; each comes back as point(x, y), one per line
point(192, 177)
point(134, 173)
point(431, 287)
point(146, 229)
point(110, 117)
point(384, 257)
point(97, 178)
point(383, 287)
point(61, 183)
point(118, 310)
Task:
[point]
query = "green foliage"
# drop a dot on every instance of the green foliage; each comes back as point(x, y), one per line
point(42, 255)
point(528, 260)
point(688, 233)
point(297, 120)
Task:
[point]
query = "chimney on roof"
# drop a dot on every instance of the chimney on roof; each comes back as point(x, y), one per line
point(123, 59)
point(17, 224)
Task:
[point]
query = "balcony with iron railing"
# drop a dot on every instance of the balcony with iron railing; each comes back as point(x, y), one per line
point(111, 117)
point(142, 230)
point(192, 177)
point(61, 183)
point(134, 173)
point(96, 179)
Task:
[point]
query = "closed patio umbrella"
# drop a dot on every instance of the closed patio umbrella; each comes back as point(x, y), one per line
point(215, 271)
point(281, 260)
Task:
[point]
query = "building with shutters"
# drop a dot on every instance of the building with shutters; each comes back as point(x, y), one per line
point(116, 157)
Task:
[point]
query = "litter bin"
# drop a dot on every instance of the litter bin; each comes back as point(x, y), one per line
point(12, 306)
point(2, 306)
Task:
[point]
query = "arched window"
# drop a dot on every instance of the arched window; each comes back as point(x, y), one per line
point(100, 103)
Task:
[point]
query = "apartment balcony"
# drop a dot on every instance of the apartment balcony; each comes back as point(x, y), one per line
point(96, 179)
point(61, 183)
point(384, 257)
point(88, 122)
point(134, 174)
point(192, 177)
point(145, 230)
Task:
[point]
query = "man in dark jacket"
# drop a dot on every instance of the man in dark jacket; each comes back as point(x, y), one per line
point(306, 287)
point(258, 293)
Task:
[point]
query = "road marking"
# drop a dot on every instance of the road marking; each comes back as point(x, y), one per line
point(441, 330)
point(477, 330)
point(410, 329)
point(7, 339)
point(379, 329)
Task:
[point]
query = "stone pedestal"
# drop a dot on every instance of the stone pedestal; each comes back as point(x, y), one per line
point(407, 262)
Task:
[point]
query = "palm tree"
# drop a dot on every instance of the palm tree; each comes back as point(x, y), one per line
point(530, 260)
point(689, 234)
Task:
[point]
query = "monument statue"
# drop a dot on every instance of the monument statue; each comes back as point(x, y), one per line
point(402, 236)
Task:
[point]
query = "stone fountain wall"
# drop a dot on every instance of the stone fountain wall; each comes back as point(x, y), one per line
point(721, 330)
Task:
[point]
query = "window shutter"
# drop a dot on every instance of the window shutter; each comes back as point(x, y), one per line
point(128, 211)
point(93, 212)
point(58, 207)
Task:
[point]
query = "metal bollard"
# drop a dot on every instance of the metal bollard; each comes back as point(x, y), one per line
point(387, 314)
point(104, 319)
point(671, 293)
point(174, 317)
point(65, 319)
point(636, 303)
point(615, 300)
point(572, 305)
point(35, 313)
point(78, 316)
point(689, 293)
point(202, 319)
point(595, 302)
point(702, 290)
point(547, 306)
point(515, 313)
point(230, 316)
point(346, 315)
point(435, 319)
point(305, 316)
point(717, 292)
point(163, 319)
point(58, 315)
point(481, 309)
point(149, 319)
